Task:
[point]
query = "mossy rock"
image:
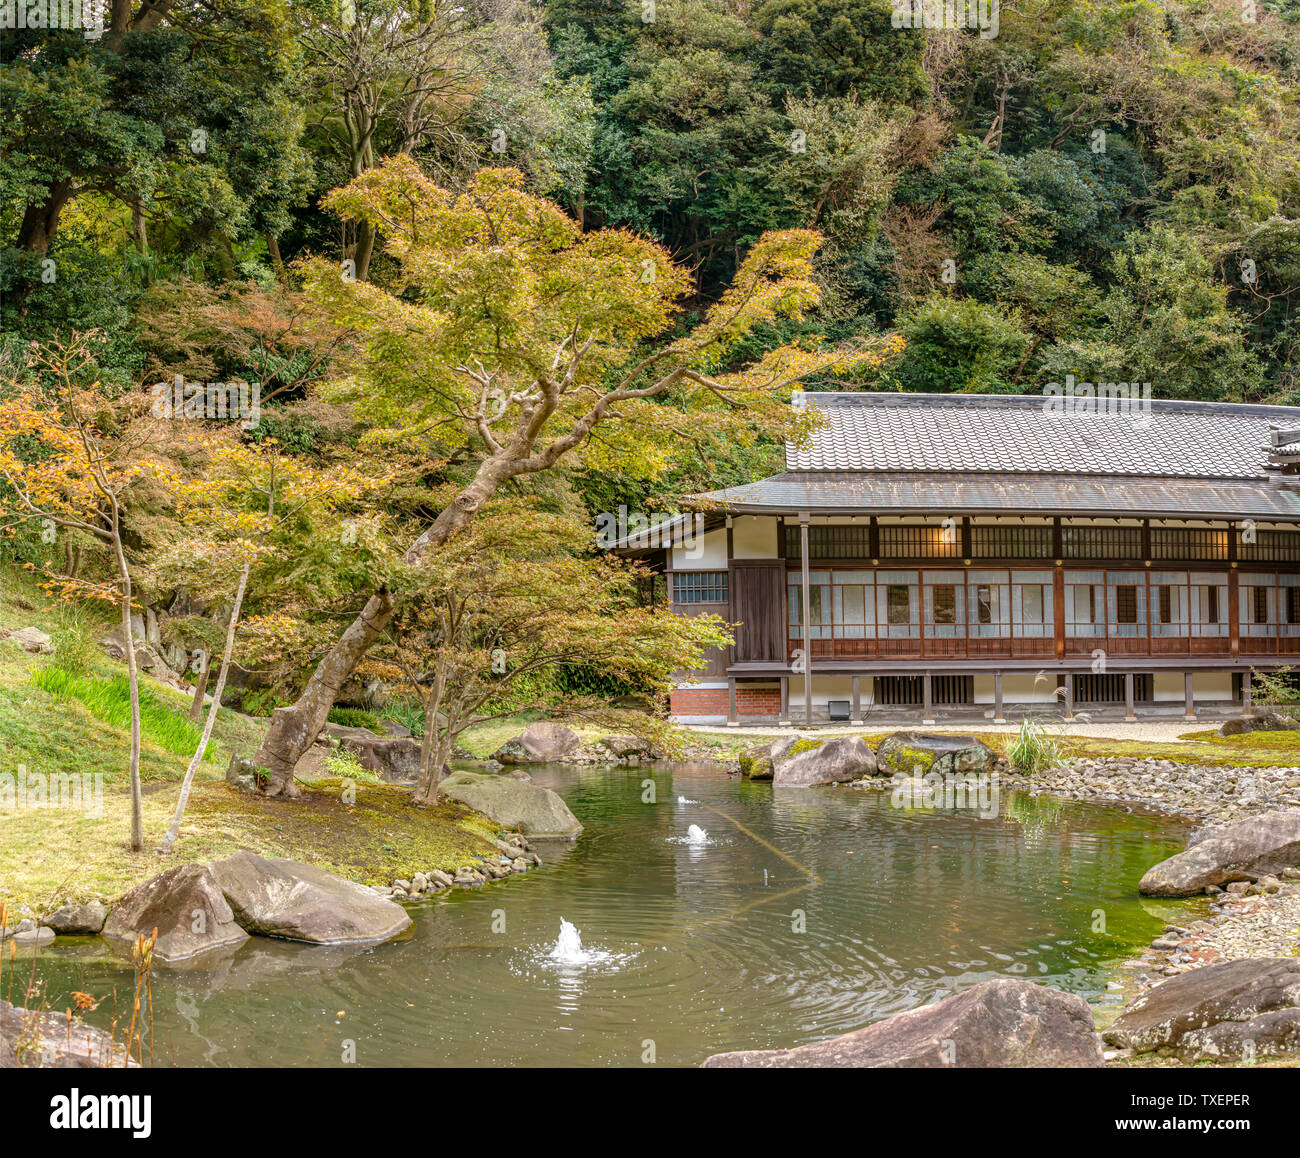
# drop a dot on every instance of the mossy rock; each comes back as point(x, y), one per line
point(917, 754)
point(756, 763)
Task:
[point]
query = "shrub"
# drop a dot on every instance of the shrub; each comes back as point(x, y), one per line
point(75, 649)
point(354, 718)
point(1033, 750)
point(344, 764)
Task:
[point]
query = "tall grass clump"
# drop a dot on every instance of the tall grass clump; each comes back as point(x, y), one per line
point(1033, 750)
point(110, 700)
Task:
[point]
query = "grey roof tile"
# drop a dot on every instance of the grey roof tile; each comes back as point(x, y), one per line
point(1023, 434)
point(958, 493)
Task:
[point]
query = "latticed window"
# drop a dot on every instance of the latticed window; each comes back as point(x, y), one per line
point(1270, 546)
point(700, 586)
point(1011, 542)
point(1126, 604)
point(920, 542)
point(849, 541)
point(1188, 543)
point(1102, 542)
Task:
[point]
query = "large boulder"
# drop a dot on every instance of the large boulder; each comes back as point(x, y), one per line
point(185, 905)
point(918, 754)
point(1242, 851)
point(1223, 1012)
point(535, 811)
point(539, 744)
point(32, 639)
point(74, 920)
point(30, 1039)
point(756, 763)
point(1256, 722)
point(625, 747)
point(298, 902)
point(395, 758)
point(802, 763)
point(1006, 1023)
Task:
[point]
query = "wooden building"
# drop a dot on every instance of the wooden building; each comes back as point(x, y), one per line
point(970, 555)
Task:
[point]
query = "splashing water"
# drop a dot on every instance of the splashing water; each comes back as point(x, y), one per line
point(568, 946)
point(696, 835)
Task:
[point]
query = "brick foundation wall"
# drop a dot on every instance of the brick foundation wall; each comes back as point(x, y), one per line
point(714, 702)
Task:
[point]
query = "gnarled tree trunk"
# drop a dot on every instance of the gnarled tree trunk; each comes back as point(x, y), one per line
point(294, 729)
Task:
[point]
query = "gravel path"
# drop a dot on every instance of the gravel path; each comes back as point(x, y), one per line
point(1155, 731)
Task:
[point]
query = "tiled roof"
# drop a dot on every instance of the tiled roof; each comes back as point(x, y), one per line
point(1020, 434)
point(949, 493)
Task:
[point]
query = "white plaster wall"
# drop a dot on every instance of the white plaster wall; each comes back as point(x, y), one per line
point(707, 552)
point(754, 537)
point(1026, 689)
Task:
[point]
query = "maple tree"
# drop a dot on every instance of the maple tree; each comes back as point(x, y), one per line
point(515, 339)
point(507, 602)
point(69, 454)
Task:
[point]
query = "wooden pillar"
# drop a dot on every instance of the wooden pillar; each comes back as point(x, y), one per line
point(807, 626)
point(1189, 708)
point(784, 718)
point(733, 720)
point(999, 716)
point(1234, 612)
point(1058, 610)
point(927, 699)
point(1245, 690)
point(1129, 714)
point(855, 716)
point(1069, 695)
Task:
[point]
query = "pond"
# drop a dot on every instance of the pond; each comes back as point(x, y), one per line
point(805, 913)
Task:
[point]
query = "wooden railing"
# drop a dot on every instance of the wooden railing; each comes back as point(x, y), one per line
point(1034, 648)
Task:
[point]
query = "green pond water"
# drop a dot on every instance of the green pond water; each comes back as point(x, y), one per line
point(815, 913)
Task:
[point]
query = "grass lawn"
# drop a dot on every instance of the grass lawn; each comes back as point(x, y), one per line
point(1253, 750)
point(47, 854)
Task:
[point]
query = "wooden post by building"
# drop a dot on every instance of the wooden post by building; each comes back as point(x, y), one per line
point(733, 720)
point(855, 716)
point(999, 716)
point(1128, 696)
point(1189, 709)
point(807, 627)
point(1245, 690)
point(1069, 695)
point(784, 719)
point(927, 699)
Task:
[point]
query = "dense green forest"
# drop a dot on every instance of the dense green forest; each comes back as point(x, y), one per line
point(1105, 190)
point(1108, 189)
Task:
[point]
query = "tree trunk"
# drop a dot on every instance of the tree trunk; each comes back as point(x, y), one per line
point(294, 729)
point(133, 679)
point(139, 231)
point(173, 829)
point(364, 250)
point(431, 756)
point(277, 262)
point(196, 705)
point(42, 219)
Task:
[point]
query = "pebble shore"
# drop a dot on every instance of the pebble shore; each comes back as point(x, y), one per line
point(1203, 792)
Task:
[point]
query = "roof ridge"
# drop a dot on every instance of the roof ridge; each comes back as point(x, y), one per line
point(838, 398)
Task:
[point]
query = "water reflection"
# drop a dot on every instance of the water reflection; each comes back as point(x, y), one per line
point(808, 913)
